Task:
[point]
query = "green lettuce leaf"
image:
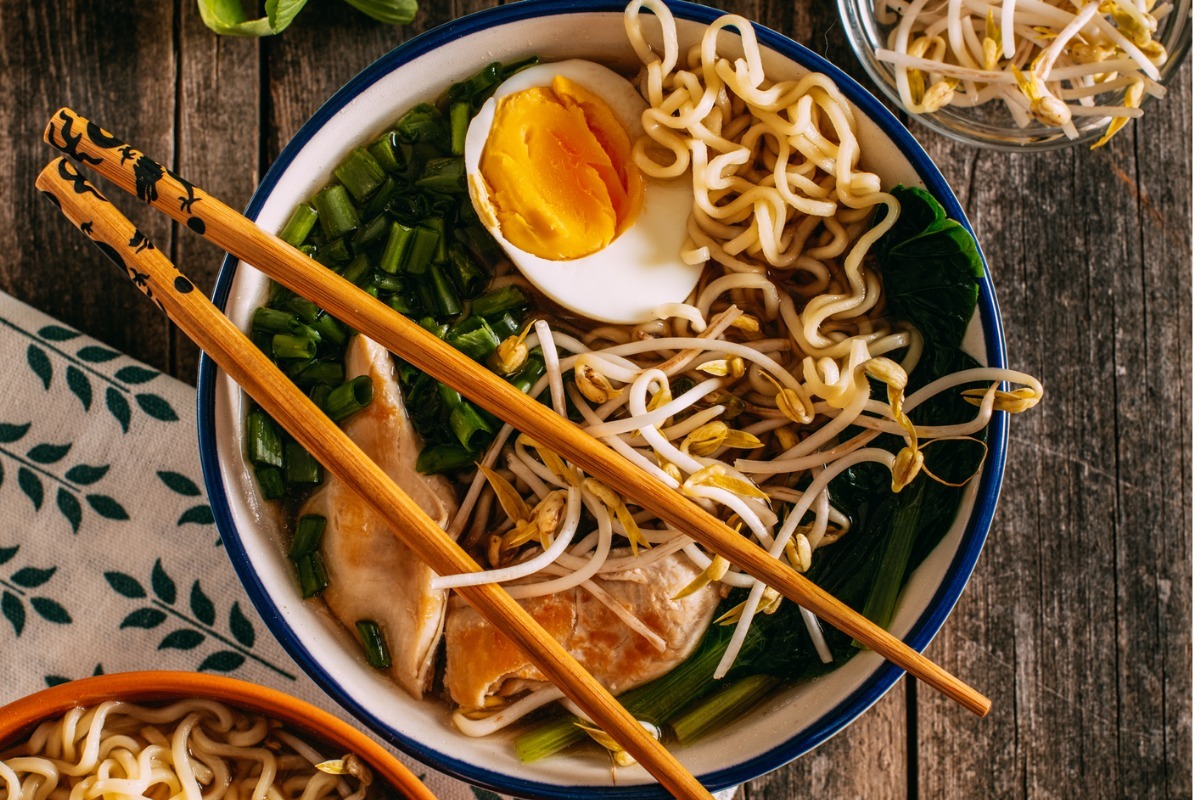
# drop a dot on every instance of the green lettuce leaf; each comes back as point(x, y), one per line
point(228, 17)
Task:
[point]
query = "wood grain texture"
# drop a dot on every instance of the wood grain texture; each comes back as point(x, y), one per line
point(116, 60)
point(1077, 621)
point(217, 134)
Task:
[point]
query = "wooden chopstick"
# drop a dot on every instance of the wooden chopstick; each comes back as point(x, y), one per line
point(153, 273)
point(220, 224)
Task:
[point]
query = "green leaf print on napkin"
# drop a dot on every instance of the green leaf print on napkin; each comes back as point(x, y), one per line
point(40, 464)
point(189, 629)
point(46, 347)
point(16, 590)
point(183, 485)
point(55, 680)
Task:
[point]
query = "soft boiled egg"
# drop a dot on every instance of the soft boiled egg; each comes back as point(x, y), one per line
point(551, 175)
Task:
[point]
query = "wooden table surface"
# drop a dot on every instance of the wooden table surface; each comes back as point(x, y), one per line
point(1077, 622)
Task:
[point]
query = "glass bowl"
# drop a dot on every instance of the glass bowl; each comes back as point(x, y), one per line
point(990, 125)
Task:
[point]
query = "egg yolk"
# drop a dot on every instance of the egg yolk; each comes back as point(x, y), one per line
point(558, 166)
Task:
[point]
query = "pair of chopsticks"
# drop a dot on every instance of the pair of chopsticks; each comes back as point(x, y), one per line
point(134, 172)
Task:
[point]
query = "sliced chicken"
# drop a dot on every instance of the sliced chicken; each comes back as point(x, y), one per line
point(481, 662)
point(372, 574)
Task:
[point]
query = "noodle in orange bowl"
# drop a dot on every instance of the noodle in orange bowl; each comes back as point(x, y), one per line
point(68, 731)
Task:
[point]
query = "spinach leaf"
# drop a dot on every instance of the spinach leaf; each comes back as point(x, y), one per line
point(929, 265)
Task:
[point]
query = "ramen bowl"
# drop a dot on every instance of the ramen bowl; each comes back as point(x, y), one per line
point(792, 722)
point(990, 125)
point(337, 738)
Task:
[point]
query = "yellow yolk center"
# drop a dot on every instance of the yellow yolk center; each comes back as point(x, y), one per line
point(558, 166)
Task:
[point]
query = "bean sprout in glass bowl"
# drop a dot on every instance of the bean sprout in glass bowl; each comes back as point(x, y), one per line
point(993, 124)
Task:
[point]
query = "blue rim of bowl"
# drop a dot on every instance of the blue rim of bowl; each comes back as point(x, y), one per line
point(879, 681)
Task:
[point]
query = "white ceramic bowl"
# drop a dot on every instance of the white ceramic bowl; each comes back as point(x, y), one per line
point(794, 722)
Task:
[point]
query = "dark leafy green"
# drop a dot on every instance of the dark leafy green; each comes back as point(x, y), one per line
point(930, 265)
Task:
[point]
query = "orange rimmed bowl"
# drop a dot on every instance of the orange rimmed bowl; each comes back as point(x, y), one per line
point(20, 717)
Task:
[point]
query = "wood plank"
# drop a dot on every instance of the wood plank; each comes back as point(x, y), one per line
point(217, 146)
point(867, 759)
point(1081, 595)
point(327, 46)
point(112, 62)
point(1153, 521)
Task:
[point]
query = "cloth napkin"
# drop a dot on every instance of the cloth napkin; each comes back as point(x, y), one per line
point(110, 559)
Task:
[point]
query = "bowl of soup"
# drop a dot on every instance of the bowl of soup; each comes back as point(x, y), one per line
point(259, 738)
point(714, 251)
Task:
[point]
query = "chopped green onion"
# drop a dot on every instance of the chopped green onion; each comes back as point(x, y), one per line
point(512, 68)
point(483, 244)
point(478, 342)
point(305, 309)
point(460, 117)
point(373, 644)
point(449, 395)
point(446, 302)
point(299, 225)
point(336, 211)
point(493, 304)
point(438, 458)
point(445, 175)
point(264, 442)
point(468, 277)
point(270, 483)
point(422, 124)
point(320, 391)
point(384, 151)
point(437, 224)
point(285, 345)
point(360, 173)
point(505, 326)
point(335, 251)
point(330, 329)
point(371, 231)
point(533, 370)
point(330, 373)
point(270, 320)
point(471, 430)
point(357, 269)
point(479, 85)
point(310, 569)
point(262, 341)
point(433, 326)
point(299, 466)
point(387, 283)
point(353, 395)
point(393, 252)
point(402, 303)
point(421, 251)
point(381, 200)
point(309, 529)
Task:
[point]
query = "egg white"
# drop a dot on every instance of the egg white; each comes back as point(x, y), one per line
point(641, 268)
